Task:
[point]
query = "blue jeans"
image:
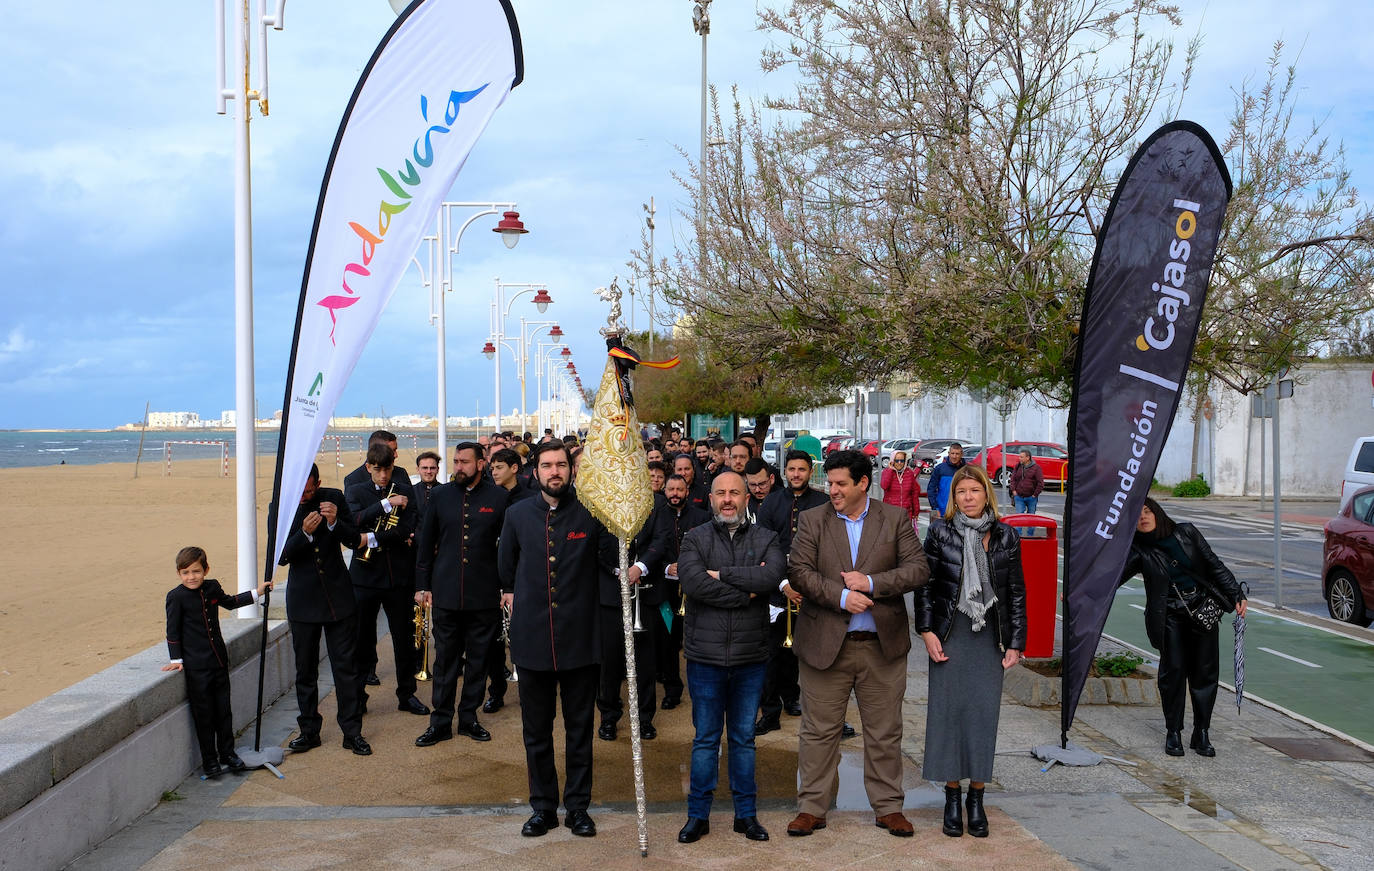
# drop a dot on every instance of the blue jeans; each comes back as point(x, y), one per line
point(1024, 504)
point(729, 695)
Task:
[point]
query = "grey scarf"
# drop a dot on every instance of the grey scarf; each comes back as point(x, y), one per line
point(975, 588)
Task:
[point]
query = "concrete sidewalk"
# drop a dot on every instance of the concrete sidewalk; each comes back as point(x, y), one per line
point(462, 803)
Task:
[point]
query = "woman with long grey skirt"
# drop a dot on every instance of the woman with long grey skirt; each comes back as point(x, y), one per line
point(972, 618)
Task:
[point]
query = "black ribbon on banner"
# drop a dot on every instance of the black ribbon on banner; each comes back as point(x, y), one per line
point(1141, 314)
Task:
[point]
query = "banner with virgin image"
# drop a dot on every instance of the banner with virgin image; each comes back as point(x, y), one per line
point(434, 82)
point(1140, 320)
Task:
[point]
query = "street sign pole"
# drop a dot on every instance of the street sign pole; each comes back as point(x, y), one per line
point(1278, 525)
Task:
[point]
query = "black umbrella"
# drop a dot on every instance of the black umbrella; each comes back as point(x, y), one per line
point(1239, 627)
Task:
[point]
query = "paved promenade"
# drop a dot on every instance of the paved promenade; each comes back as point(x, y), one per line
point(461, 803)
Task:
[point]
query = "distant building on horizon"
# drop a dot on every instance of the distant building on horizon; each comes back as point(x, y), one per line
point(173, 419)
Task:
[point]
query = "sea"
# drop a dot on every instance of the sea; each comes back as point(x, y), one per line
point(87, 447)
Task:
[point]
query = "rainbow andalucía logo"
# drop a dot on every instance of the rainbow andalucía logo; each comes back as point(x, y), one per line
point(397, 184)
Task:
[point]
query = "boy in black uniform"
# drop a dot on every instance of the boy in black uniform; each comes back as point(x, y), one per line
point(196, 647)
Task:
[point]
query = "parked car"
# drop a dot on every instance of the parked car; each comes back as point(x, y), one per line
point(1348, 559)
point(869, 447)
point(1359, 469)
point(891, 446)
point(923, 456)
point(838, 443)
point(770, 452)
point(1053, 459)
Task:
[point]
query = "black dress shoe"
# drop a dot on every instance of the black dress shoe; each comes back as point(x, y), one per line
point(1202, 744)
point(302, 743)
point(432, 736)
point(414, 706)
point(372, 680)
point(692, 832)
point(1173, 743)
point(848, 731)
point(232, 762)
point(492, 705)
point(474, 731)
point(606, 732)
point(766, 725)
point(751, 828)
point(669, 702)
point(648, 732)
point(358, 745)
point(977, 817)
point(793, 709)
point(212, 769)
point(539, 824)
point(581, 824)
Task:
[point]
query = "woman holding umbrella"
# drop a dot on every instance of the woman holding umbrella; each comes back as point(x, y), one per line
point(1181, 573)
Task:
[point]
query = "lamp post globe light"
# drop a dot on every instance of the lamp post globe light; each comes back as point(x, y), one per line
point(500, 310)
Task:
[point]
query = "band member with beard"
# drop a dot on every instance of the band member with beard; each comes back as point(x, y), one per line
point(681, 517)
point(383, 571)
point(728, 567)
point(319, 600)
point(684, 468)
point(780, 512)
point(456, 575)
point(551, 557)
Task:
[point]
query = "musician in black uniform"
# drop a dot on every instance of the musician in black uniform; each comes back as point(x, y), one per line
point(506, 471)
point(358, 476)
point(646, 572)
point(383, 571)
point(779, 513)
point(427, 465)
point(196, 648)
point(551, 554)
point(319, 601)
point(681, 516)
point(455, 573)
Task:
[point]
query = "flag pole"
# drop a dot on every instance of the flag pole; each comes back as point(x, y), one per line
point(631, 679)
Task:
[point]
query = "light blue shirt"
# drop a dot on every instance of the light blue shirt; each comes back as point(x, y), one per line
point(854, 529)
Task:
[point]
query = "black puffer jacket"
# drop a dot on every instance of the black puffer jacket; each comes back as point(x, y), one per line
point(935, 602)
point(1152, 563)
point(724, 626)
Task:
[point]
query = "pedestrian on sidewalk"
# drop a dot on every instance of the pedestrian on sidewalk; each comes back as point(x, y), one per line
point(902, 486)
point(972, 617)
point(1179, 570)
point(1026, 484)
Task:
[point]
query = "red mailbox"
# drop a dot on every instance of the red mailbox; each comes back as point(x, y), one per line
point(1040, 565)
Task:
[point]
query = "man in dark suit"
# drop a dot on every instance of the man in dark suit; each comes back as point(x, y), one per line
point(319, 600)
point(853, 562)
point(681, 517)
point(427, 466)
point(781, 512)
point(383, 570)
point(456, 575)
point(360, 474)
point(551, 555)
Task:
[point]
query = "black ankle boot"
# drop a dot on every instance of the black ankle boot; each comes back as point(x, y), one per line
point(954, 812)
point(1173, 743)
point(1202, 744)
point(977, 819)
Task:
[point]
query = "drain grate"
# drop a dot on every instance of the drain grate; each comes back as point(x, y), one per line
point(1318, 749)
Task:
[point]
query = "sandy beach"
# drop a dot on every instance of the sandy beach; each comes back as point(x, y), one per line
point(88, 557)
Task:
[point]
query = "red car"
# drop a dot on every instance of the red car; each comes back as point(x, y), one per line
point(838, 443)
point(1348, 559)
point(1053, 459)
point(869, 447)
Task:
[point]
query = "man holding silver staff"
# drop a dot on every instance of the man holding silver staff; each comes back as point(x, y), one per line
point(383, 571)
point(551, 555)
point(456, 576)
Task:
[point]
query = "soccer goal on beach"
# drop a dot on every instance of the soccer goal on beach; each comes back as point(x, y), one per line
point(196, 449)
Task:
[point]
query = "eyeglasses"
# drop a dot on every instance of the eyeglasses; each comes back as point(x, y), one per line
point(898, 460)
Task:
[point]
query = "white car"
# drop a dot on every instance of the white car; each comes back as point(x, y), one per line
point(1359, 469)
point(770, 453)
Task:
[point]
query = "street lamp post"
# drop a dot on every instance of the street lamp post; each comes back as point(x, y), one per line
point(701, 22)
point(500, 310)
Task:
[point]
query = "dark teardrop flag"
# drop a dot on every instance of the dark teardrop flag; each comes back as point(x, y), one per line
point(1140, 321)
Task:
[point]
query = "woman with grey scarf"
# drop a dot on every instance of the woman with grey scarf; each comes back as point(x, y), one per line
point(972, 618)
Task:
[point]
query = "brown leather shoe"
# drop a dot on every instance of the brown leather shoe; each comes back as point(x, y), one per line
point(896, 824)
point(805, 824)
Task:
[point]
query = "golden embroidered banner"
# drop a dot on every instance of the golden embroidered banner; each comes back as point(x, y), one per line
point(613, 480)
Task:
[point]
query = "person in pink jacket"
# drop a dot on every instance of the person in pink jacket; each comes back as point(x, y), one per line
point(901, 486)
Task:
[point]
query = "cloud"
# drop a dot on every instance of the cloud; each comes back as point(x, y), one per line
point(15, 343)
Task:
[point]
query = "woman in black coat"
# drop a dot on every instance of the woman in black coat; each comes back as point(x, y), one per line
point(1176, 563)
point(972, 618)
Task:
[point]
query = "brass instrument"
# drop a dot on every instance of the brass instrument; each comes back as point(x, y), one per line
point(505, 640)
point(388, 520)
point(792, 608)
point(635, 590)
point(423, 623)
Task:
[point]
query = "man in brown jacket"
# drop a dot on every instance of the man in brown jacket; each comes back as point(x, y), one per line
point(853, 561)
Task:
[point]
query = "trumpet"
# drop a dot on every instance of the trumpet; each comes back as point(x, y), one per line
point(387, 521)
point(505, 640)
point(681, 602)
point(792, 608)
point(635, 590)
point(423, 622)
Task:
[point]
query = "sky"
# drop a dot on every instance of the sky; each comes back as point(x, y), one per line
point(116, 176)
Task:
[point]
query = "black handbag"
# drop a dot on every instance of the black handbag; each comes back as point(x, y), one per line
point(1202, 609)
